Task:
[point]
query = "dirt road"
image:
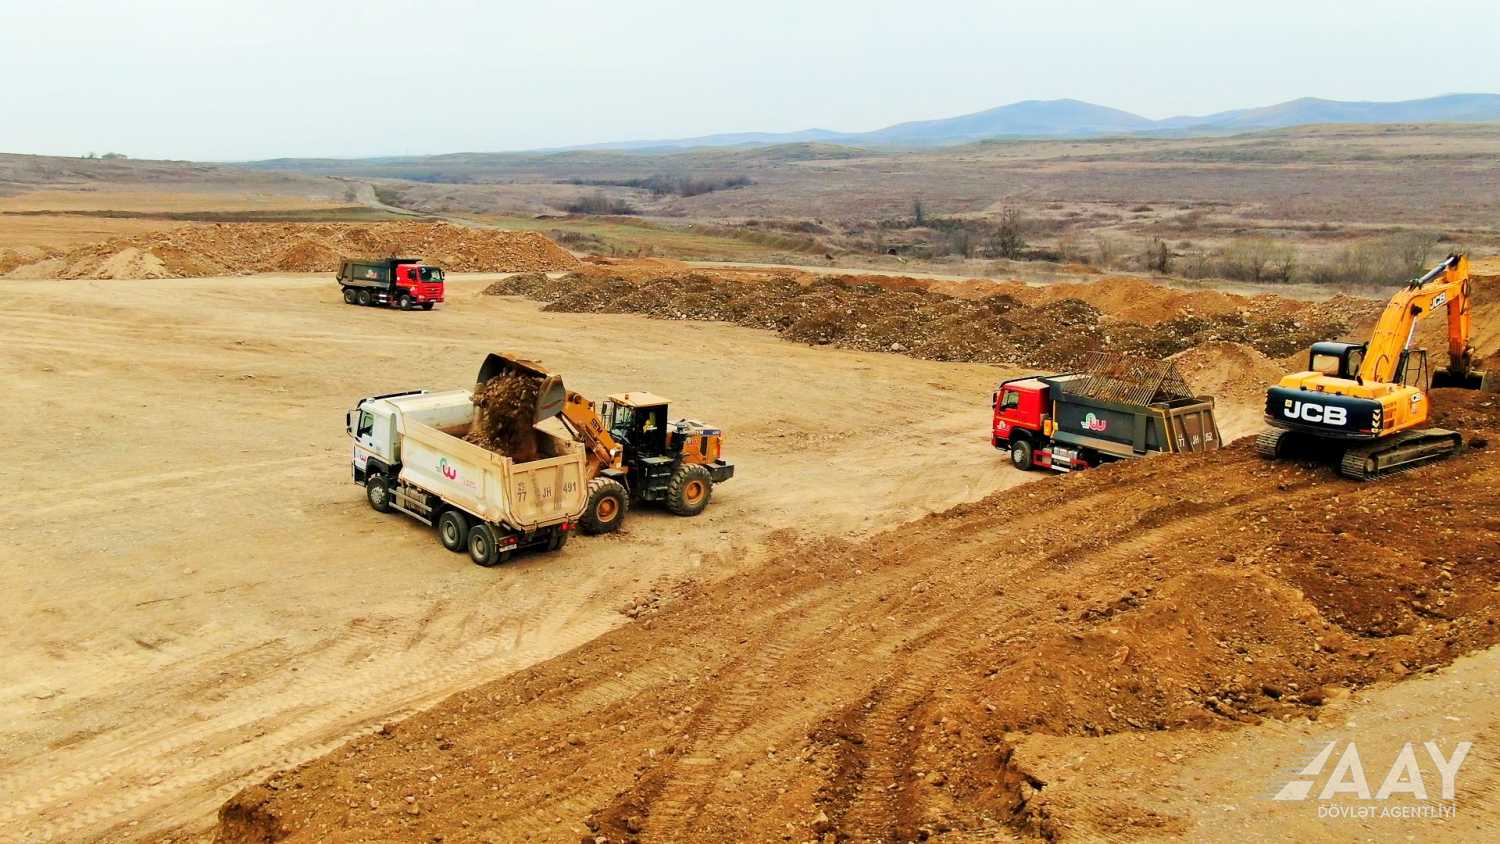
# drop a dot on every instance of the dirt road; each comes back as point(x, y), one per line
point(196, 594)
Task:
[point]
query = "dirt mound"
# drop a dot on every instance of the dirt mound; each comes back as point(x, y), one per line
point(306, 256)
point(1230, 372)
point(10, 259)
point(244, 248)
point(876, 690)
point(1039, 327)
point(504, 412)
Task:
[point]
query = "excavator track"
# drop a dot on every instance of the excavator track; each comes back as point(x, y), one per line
point(1399, 453)
point(1271, 443)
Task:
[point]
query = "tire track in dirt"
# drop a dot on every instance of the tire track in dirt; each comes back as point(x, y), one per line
point(326, 704)
point(890, 683)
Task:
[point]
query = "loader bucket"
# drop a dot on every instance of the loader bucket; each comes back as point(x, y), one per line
point(1473, 379)
point(551, 395)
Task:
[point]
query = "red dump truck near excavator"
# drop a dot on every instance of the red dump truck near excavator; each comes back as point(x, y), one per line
point(1114, 408)
point(404, 283)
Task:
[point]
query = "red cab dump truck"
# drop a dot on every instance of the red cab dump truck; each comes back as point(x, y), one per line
point(404, 283)
point(1114, 408)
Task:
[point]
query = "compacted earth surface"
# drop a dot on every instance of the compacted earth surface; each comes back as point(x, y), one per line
point(878, 630)
point(198, 595)
point(987, 672)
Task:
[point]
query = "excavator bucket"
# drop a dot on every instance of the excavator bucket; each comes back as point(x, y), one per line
point(551, 394)
point(1472, 379)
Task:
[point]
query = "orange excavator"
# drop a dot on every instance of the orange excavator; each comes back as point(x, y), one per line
point(1368, 403)
point(635, 453)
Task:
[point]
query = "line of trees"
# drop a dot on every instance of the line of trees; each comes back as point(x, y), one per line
point(675, 185)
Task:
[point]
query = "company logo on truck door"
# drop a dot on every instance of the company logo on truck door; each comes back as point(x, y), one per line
point(1094, 423)
point(1309, 412)
point(448, 471)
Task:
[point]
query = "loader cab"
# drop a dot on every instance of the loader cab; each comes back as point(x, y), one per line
point(639, 420)
point(1336, 360)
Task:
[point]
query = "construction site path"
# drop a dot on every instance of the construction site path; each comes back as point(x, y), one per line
point(197, 594)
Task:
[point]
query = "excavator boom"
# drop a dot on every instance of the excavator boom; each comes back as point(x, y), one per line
point(1448, 285)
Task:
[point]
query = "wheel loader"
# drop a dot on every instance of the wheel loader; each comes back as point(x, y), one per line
point(635, 453)
point(1366, 404)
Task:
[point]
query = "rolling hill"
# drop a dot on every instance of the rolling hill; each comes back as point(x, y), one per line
point(1072, 118)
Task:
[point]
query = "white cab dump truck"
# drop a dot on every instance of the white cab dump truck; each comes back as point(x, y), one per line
point(409, 455)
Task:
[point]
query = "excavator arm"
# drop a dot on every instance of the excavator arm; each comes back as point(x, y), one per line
point(1448, 285)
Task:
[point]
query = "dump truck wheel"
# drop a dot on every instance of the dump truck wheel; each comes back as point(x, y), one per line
point(405, 303)
point(453, 531)
point(378, 493)
point(349, 295)
point(559, 539)
point(1020, 455)
point(483, 546)
point(426, 306)
point(607, 506)
point(690, 489)
point(364, 297)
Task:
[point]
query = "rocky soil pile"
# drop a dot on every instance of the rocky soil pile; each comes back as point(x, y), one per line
point(243, 248)
point(1034, 327)
point(1233, 373)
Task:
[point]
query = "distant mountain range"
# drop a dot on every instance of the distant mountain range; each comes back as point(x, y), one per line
point(1075, 118)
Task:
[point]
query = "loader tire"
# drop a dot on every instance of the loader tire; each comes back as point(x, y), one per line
point(607, 506)
point(1020, 455)
point(378, 493)
point(690, 489)
point(453, 531)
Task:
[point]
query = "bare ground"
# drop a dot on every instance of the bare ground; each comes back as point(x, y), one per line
point(198, 596)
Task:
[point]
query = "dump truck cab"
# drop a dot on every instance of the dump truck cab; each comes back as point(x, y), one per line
point(1021, 407)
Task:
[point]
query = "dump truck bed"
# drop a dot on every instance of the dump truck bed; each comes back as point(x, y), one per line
point(1125, 429)
point(526, 496)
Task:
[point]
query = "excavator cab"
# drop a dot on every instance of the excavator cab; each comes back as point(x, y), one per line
point(1339, 360)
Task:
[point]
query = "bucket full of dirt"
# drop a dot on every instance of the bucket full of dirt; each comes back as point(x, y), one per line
point(511, 396)
point(504, 416)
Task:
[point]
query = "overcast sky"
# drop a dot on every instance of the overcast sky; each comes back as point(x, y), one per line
point(214, 80)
